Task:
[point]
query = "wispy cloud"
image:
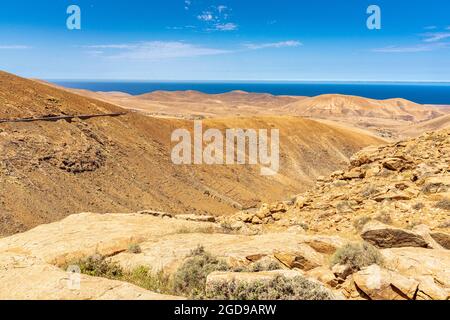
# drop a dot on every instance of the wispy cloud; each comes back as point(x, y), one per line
point(415, 48)
point(281, 44)
point(430, 28)
point(155, 50)
point(229, 26)
point(187, 4)
point(436, 36)
point(216, 18)
point(206, 16)
point(14, 47)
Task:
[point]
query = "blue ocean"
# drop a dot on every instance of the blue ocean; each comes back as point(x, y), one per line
point(424, 93)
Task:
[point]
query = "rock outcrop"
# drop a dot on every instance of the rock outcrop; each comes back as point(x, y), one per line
point(402, 185)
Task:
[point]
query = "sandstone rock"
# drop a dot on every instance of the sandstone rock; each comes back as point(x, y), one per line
point(196, 218)
point(429, 290)
point(384, 236)
point(392, 196)
point(304, 258)
point(417, 262)
point(396, 164)
point(325, 244)
point(324, 275)
point(424, 231)
point(442, 238)
point(382, 284)
point(256, 220)
point(355, 173)
point(28, 278)
point(255, 257)
point(342, 271)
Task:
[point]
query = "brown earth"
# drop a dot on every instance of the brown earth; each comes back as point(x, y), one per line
point(50, 169)
point(390, 119)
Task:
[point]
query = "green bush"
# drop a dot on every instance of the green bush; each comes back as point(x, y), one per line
point(99, 266)
point(145, 278)
point(443, 204)
point(357, 255)
point(134, 248)
point(190, 278)
point(279, 288)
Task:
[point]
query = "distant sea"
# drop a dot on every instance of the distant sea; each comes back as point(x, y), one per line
point(424, 93)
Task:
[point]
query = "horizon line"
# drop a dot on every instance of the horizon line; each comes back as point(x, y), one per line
point(245, 80)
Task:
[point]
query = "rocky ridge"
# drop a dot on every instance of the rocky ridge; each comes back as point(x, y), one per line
point(403, 184)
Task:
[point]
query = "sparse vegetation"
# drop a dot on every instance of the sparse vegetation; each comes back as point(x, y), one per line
point(98, 266)
point(144, 277)
point(264, 265)
point(208, 229)
point(360, 222)
point(417, 206)
point(190, 278)
point(134, 248)
point(280, 288)
point(369, 191)
point(357, 256)
point(443, 204)
point(433, 187)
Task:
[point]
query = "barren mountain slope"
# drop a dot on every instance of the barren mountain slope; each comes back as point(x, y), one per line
point(435, 124)
point(342, 106)
point(49, 169)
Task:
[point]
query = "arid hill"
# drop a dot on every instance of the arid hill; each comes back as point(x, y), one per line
point(342, 106)
point(49, 169)
point(390, 119)
point(376, 231)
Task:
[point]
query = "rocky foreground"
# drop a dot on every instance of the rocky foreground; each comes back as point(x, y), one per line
point(379, 230)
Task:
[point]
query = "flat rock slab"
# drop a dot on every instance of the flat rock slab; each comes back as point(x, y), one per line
point(384, 236)
point(28, 278)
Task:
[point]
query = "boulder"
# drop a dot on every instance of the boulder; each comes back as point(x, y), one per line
point(304, 258)
point(442, 238)
point(425, 232)
point(430, 290)
point(25, 277)
point(342, 271)
point(418, 262)
point(396, 164)
point(381, 284)
point(325, 244)
point(323, 275)
point(384, 236)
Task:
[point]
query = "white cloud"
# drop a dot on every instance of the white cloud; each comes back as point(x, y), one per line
point(416, 48)
point(14, 47)
point(436, 36)
point(430, 28)
point(206, 16)
point(111, 46)
point(157, 50)
point(187, 4)
point(229, 26)
point(281, 44)
point(221, 8)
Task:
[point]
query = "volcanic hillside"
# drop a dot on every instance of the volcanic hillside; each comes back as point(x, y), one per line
point(49, 169)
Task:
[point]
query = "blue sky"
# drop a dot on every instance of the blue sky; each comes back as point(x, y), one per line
point(227, 40)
